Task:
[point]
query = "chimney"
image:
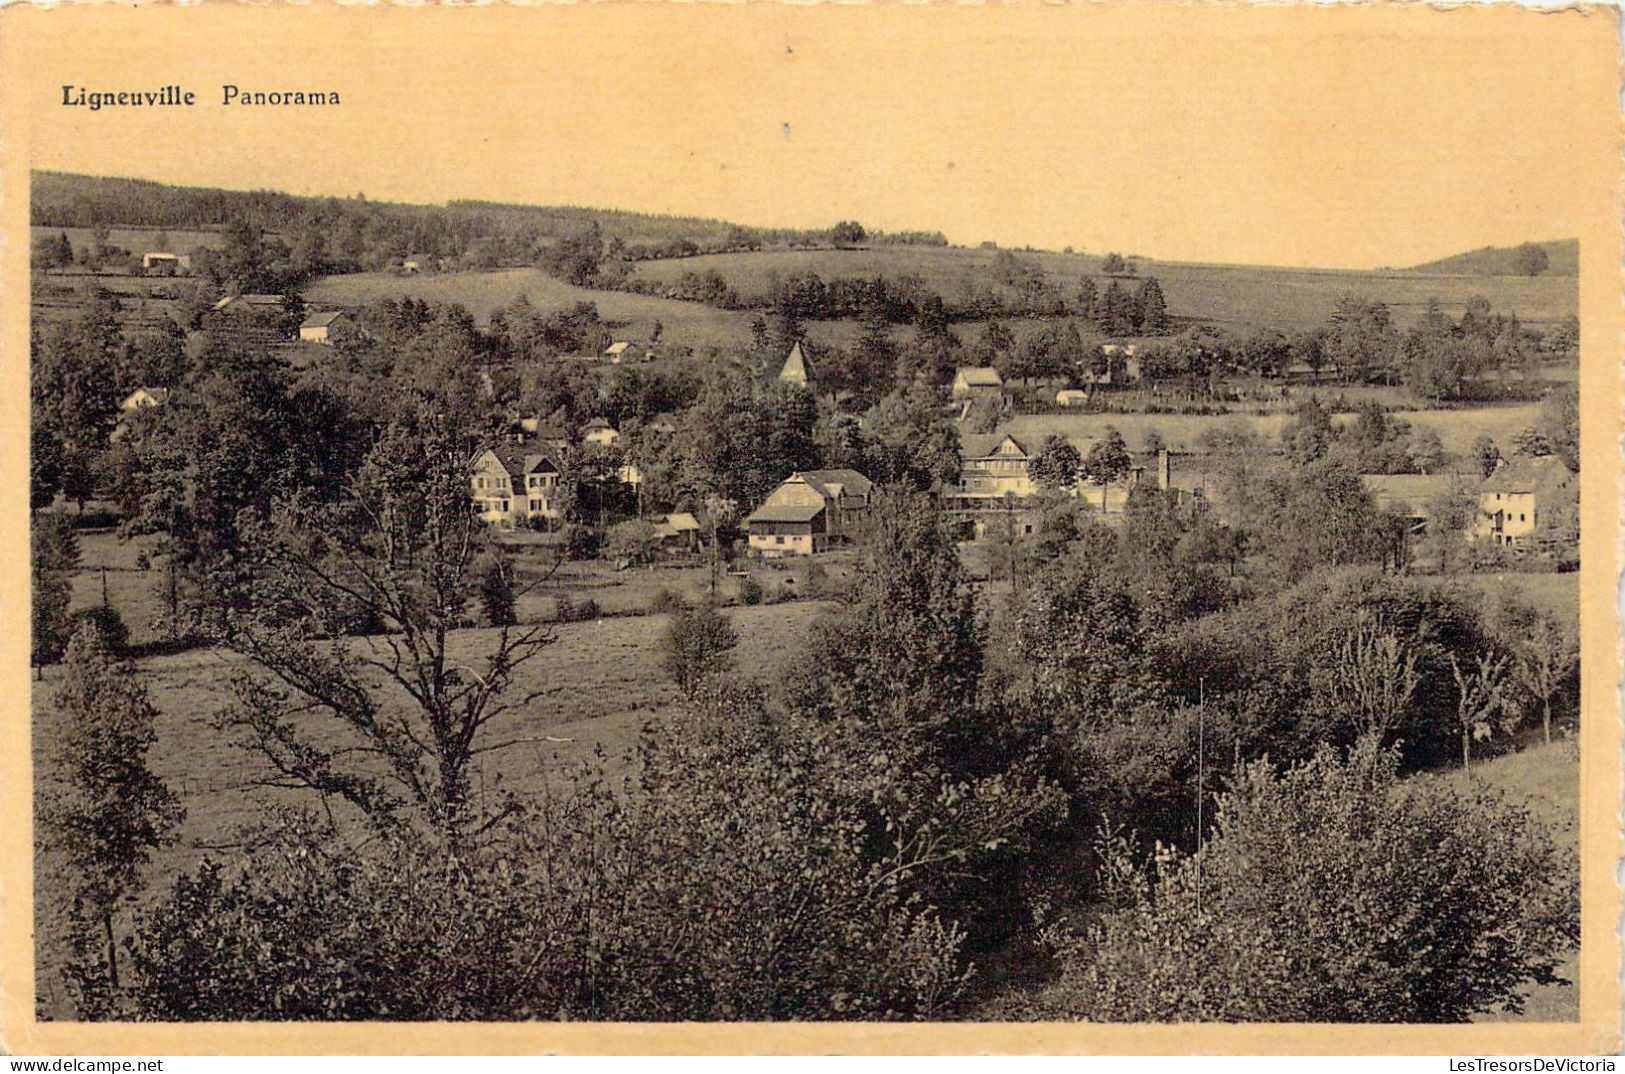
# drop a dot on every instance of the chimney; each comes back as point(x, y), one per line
point(1165, 469)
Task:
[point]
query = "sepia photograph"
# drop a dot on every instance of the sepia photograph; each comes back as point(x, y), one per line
point(673, 514)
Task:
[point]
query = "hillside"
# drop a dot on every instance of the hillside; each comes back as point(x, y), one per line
point(1564, 255)
point(1234, 296)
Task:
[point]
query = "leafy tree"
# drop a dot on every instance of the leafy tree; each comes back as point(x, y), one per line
point(1482, 701)
point(1056, 465)
point(914, 444)
point(1319, 514)
point(1108, 459)
point(1361, 338)
point(1485, 454)
point(1151, 309)
point(1547, 657)
point(1310, 433)
point(1331, 892)
point(1559, 423)
point(496, 590)
point(1530, 259)
point(44, 463)
point(1113, 264)
point(110, 810)
point(847, 233)
point(54, 558)
point(1088, 296)
point(697, 644)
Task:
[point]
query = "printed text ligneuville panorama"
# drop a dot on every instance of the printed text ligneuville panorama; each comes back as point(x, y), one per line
point(177, 97)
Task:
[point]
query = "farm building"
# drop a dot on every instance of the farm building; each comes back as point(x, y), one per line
point(515, 484)
point(256, 319)
point(1071, 397)
point(679, 531)
point(808, 512)
point(797, 369)
point(976, 381)
point(1521, 495)
point(161, 263)
point(324, 327)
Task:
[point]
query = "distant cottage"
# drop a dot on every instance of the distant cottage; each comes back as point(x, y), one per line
point(142, 398)
point(977, 381)
point(160, 263)
point(599, 431)
point(324, 327)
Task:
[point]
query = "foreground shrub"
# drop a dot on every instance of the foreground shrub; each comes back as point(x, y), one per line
point(1332, 892)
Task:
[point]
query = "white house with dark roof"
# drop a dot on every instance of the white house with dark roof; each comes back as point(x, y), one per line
point(1521, 494)
point(599, 431)
point(513, 484)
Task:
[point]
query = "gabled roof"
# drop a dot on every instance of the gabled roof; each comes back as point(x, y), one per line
point(1528, 473)
point(1413, 490)
point(597, 423)
point(618, 347)
point(682, 522)
point(796, 366)
point(838, 482)
point(522, 459)
point(159, 396)
point(322, 320)
point(982, 446)
point(980, 376)
point(786, 513)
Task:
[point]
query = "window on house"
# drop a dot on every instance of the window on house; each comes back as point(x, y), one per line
point(778, 539)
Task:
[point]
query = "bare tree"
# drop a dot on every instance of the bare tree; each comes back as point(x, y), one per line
point(356, 694)
point(1373, 676)
point(1480, 697)
point(1546, 657)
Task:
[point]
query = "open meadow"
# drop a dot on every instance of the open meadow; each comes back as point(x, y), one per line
point(590, 692)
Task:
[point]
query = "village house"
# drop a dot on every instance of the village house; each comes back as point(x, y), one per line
point(144, 397)
point(324, 327)
point(1520, 495)
point(1071, 397)
point(809, 511)
point(797, 369)
point(515, 485)
point(977, 382)
point(992, 467)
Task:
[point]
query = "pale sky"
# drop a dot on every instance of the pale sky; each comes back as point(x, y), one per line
point(1342, 137)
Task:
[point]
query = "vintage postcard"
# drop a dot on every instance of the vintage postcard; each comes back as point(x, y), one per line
point(804, 527)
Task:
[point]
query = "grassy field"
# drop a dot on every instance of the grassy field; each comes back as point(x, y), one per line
point(1182, 432)
point(1238, 296)
point(595, 688)
point(633, 316)
point(141, 240)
